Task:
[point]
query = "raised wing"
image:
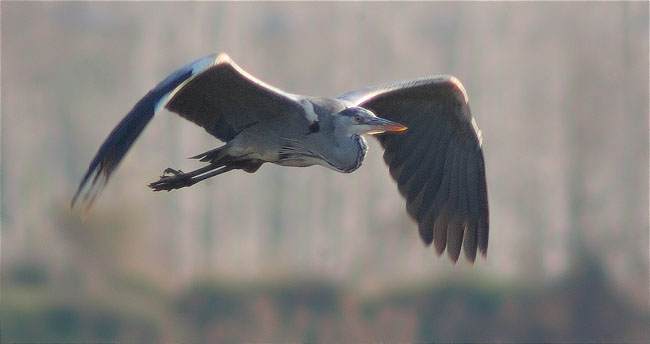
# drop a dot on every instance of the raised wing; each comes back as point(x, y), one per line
point(224, 100)
point(438, 162)
point(212, 92)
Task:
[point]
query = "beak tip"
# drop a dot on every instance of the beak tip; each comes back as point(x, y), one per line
point(380, 125)
point(397, 128)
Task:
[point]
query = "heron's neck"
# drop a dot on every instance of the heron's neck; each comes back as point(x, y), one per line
point(363, 149)
point(353, 153)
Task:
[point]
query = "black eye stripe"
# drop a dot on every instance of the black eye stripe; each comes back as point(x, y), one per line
point(351, 111)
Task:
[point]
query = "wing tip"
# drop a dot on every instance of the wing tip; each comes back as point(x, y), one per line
point(97, 184)
point(471, 256)
point(453, 258)
point(76, 196)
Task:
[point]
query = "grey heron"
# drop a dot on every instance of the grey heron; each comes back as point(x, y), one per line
point(437, 162)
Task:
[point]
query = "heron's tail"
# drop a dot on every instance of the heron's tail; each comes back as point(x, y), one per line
point(217, 155)
point(114, 148)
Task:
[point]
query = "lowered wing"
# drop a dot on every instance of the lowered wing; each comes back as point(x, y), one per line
point(438, 163)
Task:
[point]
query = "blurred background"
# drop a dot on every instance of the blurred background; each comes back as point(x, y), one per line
point(560, 91)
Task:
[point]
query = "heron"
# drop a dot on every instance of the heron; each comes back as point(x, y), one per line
point(432, 145)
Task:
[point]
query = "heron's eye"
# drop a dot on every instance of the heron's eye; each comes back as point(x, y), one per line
point(357, 118)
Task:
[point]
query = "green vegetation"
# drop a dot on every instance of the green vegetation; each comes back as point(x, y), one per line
point(313, 310)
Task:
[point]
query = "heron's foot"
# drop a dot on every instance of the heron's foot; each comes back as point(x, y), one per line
point(172, 179)
point(171, 171)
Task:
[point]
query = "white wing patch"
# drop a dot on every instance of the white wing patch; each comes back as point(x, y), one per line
point(310, 115)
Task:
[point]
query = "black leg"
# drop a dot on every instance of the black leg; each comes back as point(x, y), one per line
point(179, 179)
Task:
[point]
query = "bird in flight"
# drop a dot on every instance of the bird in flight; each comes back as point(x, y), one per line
point(431, 142)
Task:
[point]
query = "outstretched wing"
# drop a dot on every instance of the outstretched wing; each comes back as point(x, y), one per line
point(224, 100)
point(212, 92)
point(438, 162)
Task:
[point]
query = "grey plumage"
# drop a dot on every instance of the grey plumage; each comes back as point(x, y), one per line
point(437, 163)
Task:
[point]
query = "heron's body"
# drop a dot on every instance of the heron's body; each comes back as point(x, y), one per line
point(304, 142)
point(437, 162)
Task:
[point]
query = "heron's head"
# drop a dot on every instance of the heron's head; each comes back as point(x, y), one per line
point(357, 120)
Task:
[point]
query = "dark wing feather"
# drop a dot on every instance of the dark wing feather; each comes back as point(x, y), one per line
point(224, 100)
point(438, 162)
point(212, 92)
point(127, 131)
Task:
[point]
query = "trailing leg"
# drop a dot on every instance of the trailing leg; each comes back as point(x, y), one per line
point(176, 179)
